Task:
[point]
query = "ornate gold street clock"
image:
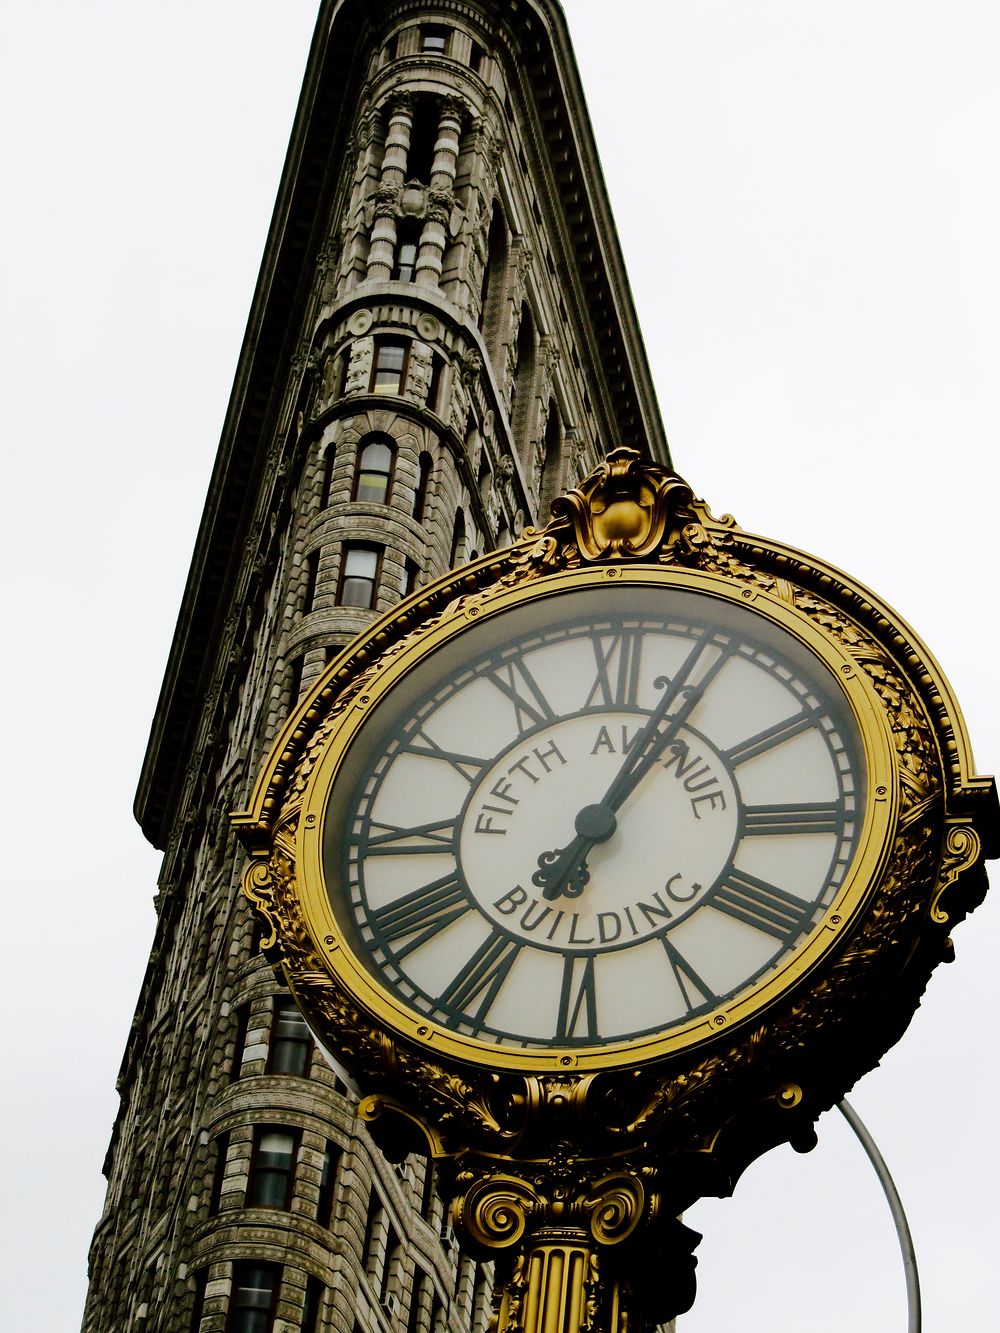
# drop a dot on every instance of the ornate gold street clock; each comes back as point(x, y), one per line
point(609, 862)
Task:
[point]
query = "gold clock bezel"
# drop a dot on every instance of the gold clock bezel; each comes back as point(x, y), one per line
point(878, 821)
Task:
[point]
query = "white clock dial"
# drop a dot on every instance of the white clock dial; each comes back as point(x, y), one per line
point(579, 826)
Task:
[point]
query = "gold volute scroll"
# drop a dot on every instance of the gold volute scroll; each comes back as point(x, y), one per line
point(623, 509)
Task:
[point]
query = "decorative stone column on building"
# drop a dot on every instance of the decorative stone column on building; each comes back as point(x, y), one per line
point(397, 147)
point(440, 196)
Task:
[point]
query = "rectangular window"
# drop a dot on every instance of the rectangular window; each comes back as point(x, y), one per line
point(312, 575)
point(359, 576)
point(407, 244)
point(388, 365)
point(434, 39)
point(409, 580)
point(239, 1045)
point(295, 680)
point(200, 1283)
point(290, 1045)
point(219, 1174)
point(272, 1168)
point(311, 1304)
point(434, 391)
point(253, 1298)
point(328, 1183)
point(476, 58)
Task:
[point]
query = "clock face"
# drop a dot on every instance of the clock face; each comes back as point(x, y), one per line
point(595, 817)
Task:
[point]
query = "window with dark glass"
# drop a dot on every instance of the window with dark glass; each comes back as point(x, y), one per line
point(329, 462)
point(312, 576)
point(295, 669)
point(416, 1301)
point(327, 1183)
point(200, 1283)
point(423, 137)
point(434, 391)
point(373, 472)
point(272, 1167)
point(424, 466)
point(407, 244)
point(311, 1304)
point(359, 576)
point(409, 579)
point(253, 1298)
point(388, 365)
point(476, 58)
point(219, 1174)
point(290, 1044)
point(389, 1263)
point(457, 540)
point(434, 39)
point(242, 1023)
point(373, 1227)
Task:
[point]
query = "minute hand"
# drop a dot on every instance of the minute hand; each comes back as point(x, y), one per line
point(651, 742)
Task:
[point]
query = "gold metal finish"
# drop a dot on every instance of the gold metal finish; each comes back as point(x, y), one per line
point(565, 1163)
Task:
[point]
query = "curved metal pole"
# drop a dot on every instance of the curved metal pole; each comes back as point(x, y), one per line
point(898, 1216)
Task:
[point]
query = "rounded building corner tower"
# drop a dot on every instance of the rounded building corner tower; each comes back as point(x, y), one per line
point(442, 338)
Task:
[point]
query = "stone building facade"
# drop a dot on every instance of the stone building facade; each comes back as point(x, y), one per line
point(441, 339)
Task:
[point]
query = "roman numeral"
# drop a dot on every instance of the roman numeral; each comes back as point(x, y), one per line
point(685, 976)
point(419, 916)
point(762, 905)
point(531, 708)
point(617, 681)
point(421, 839)
point(468, 765)
point(577, 1000)
point(769, 738)
point(800, 817)
point(480, 979)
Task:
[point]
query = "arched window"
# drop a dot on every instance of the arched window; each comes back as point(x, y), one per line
point(424, 467)
point(373, 471)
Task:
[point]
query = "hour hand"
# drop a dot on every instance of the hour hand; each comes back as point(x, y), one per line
point(565, 869)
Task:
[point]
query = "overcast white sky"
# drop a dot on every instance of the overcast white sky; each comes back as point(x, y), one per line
point(808, 195)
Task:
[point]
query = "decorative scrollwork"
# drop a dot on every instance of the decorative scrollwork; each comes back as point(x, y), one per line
point(962, 849)
point(495, 1212)
point(616, 1206)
